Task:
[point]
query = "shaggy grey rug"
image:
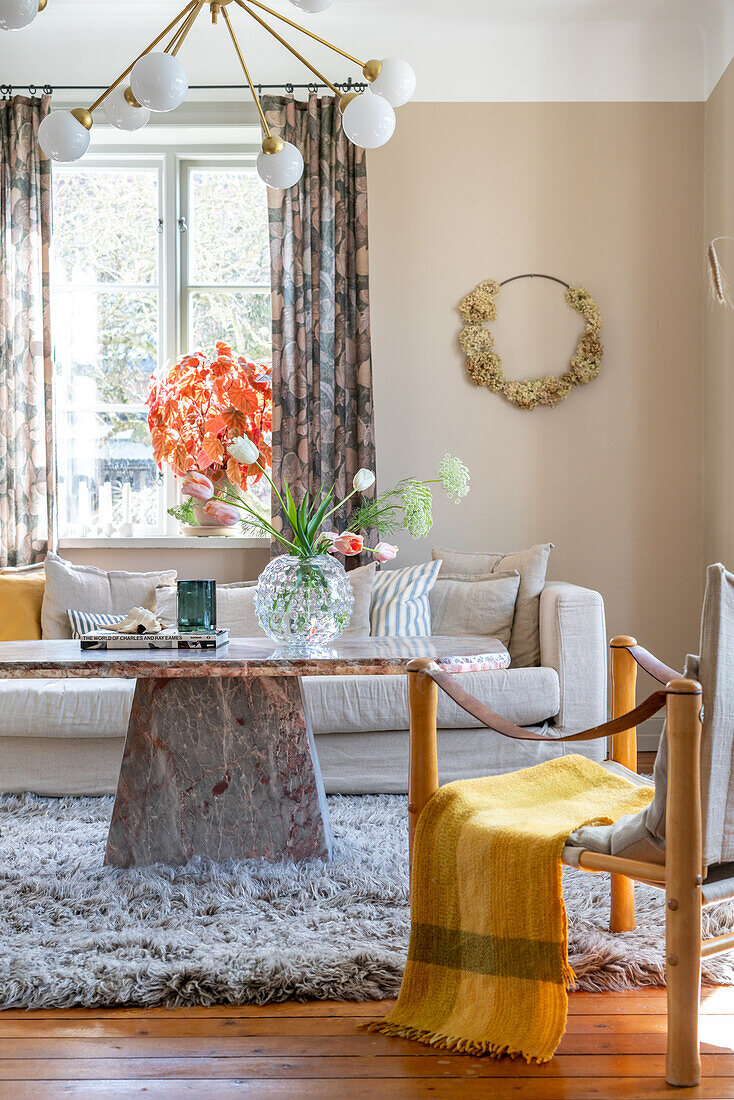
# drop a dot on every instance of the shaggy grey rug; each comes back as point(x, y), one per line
point(73, 932)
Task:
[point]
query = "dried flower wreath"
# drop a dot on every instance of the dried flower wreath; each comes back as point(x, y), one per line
point(484, 365)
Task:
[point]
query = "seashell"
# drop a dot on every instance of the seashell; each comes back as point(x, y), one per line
point(139, 620)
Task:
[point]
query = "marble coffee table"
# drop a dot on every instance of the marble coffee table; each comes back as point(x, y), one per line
point(219, 759)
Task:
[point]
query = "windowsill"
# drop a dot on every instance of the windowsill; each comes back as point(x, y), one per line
point(161, 542)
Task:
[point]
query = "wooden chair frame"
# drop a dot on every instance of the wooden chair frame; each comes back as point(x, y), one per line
point(682, 875)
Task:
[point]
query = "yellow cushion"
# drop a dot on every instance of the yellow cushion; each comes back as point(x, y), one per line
point(21, 596)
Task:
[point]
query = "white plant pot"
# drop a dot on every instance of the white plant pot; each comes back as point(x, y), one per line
point(208, 527)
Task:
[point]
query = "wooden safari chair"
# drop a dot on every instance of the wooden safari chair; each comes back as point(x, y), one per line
point(683, 843)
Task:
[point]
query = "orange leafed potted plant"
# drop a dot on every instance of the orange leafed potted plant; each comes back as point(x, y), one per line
point(195, 413)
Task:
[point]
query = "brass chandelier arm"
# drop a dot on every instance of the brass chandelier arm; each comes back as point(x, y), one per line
point(246, 71)
point(185, 11)
point(180, 36)
point(316, 37)
point(291, 49)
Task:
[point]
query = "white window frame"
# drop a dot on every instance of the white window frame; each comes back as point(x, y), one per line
point(174, 291)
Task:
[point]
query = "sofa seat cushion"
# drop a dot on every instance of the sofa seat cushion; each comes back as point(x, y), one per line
point(355, 704)
point(65, 708)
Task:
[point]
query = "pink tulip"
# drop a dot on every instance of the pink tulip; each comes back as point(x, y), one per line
point(385, 551)
point(197, 485)
point(223, 513)
point(327, 540)
point(348, 544)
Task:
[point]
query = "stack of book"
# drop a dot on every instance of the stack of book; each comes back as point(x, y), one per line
point(167, 639)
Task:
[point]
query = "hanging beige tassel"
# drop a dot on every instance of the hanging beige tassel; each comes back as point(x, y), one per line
point(719, 284)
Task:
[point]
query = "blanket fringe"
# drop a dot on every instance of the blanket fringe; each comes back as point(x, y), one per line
point(480, 1047)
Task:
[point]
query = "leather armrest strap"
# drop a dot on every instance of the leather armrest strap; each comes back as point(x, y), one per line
point(655, 668)
point(448, 683)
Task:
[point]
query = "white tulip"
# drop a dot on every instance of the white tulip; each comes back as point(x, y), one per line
point(363, 479)
point(244, 450)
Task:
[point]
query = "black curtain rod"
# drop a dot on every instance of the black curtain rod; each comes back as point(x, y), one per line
point(6, 90)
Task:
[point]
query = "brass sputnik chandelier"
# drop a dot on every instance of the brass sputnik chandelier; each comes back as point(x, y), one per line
point(157, 81)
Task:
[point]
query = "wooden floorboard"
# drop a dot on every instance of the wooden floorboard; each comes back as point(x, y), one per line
point(613, 1049)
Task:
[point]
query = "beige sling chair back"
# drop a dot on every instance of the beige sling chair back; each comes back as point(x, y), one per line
point(683, 842)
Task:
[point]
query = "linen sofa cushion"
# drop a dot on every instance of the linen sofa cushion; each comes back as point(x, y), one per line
point(84, 587)
point(400, 606)
point(21, 597)
point(362, 580)
point(479, 607)
point(345, 704)
point(236, 606)
point(66, 708)
point(531, 565)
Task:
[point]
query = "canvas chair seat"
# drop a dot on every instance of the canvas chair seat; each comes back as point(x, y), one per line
point(642, 836)
point(628, 837)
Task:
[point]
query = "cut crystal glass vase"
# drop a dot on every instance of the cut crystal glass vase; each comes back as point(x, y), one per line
point(304, 602)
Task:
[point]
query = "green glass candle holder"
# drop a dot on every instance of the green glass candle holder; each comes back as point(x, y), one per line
point(196, 605)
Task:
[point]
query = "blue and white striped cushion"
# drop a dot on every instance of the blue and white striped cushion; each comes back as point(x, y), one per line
point(84, 621)
point(400, 605)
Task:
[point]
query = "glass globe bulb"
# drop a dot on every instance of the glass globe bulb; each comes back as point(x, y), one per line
point(121, 115)
point(15, 14)
point(312, 5)
point(62, 137)
point(281, 170)
point(396, 82)
point(369, 120)
point(159, 82)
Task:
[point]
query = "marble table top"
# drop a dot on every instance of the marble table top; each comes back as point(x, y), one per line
point(248, 656)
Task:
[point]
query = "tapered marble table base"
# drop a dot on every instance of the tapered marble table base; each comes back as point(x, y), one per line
point(221, 768)
point(219, 760)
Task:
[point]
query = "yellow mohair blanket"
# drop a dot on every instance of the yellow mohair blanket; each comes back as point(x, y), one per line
point(487, 966)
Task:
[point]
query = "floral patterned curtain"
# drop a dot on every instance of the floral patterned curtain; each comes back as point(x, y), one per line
point(26, 442)
point(322, 366)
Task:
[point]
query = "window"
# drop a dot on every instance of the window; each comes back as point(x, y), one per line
point(227, 273)
point(152, 256)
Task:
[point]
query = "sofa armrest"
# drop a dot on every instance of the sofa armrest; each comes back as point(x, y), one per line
point(573, 642)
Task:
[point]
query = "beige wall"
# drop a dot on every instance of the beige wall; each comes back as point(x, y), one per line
point(607, 195)
point(719, 326)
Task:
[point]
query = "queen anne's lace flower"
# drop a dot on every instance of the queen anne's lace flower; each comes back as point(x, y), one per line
point(484, 366)
point(417, 509)
point(454, 476)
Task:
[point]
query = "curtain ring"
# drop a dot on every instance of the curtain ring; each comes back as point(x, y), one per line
point(313, 88)
point(47, 89)
point(32, 89)
point(6, 90)
point(289, 89)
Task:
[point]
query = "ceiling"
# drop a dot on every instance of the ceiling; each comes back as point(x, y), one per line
point(525, 50)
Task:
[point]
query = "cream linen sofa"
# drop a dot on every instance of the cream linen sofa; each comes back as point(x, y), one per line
point(66, 737)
